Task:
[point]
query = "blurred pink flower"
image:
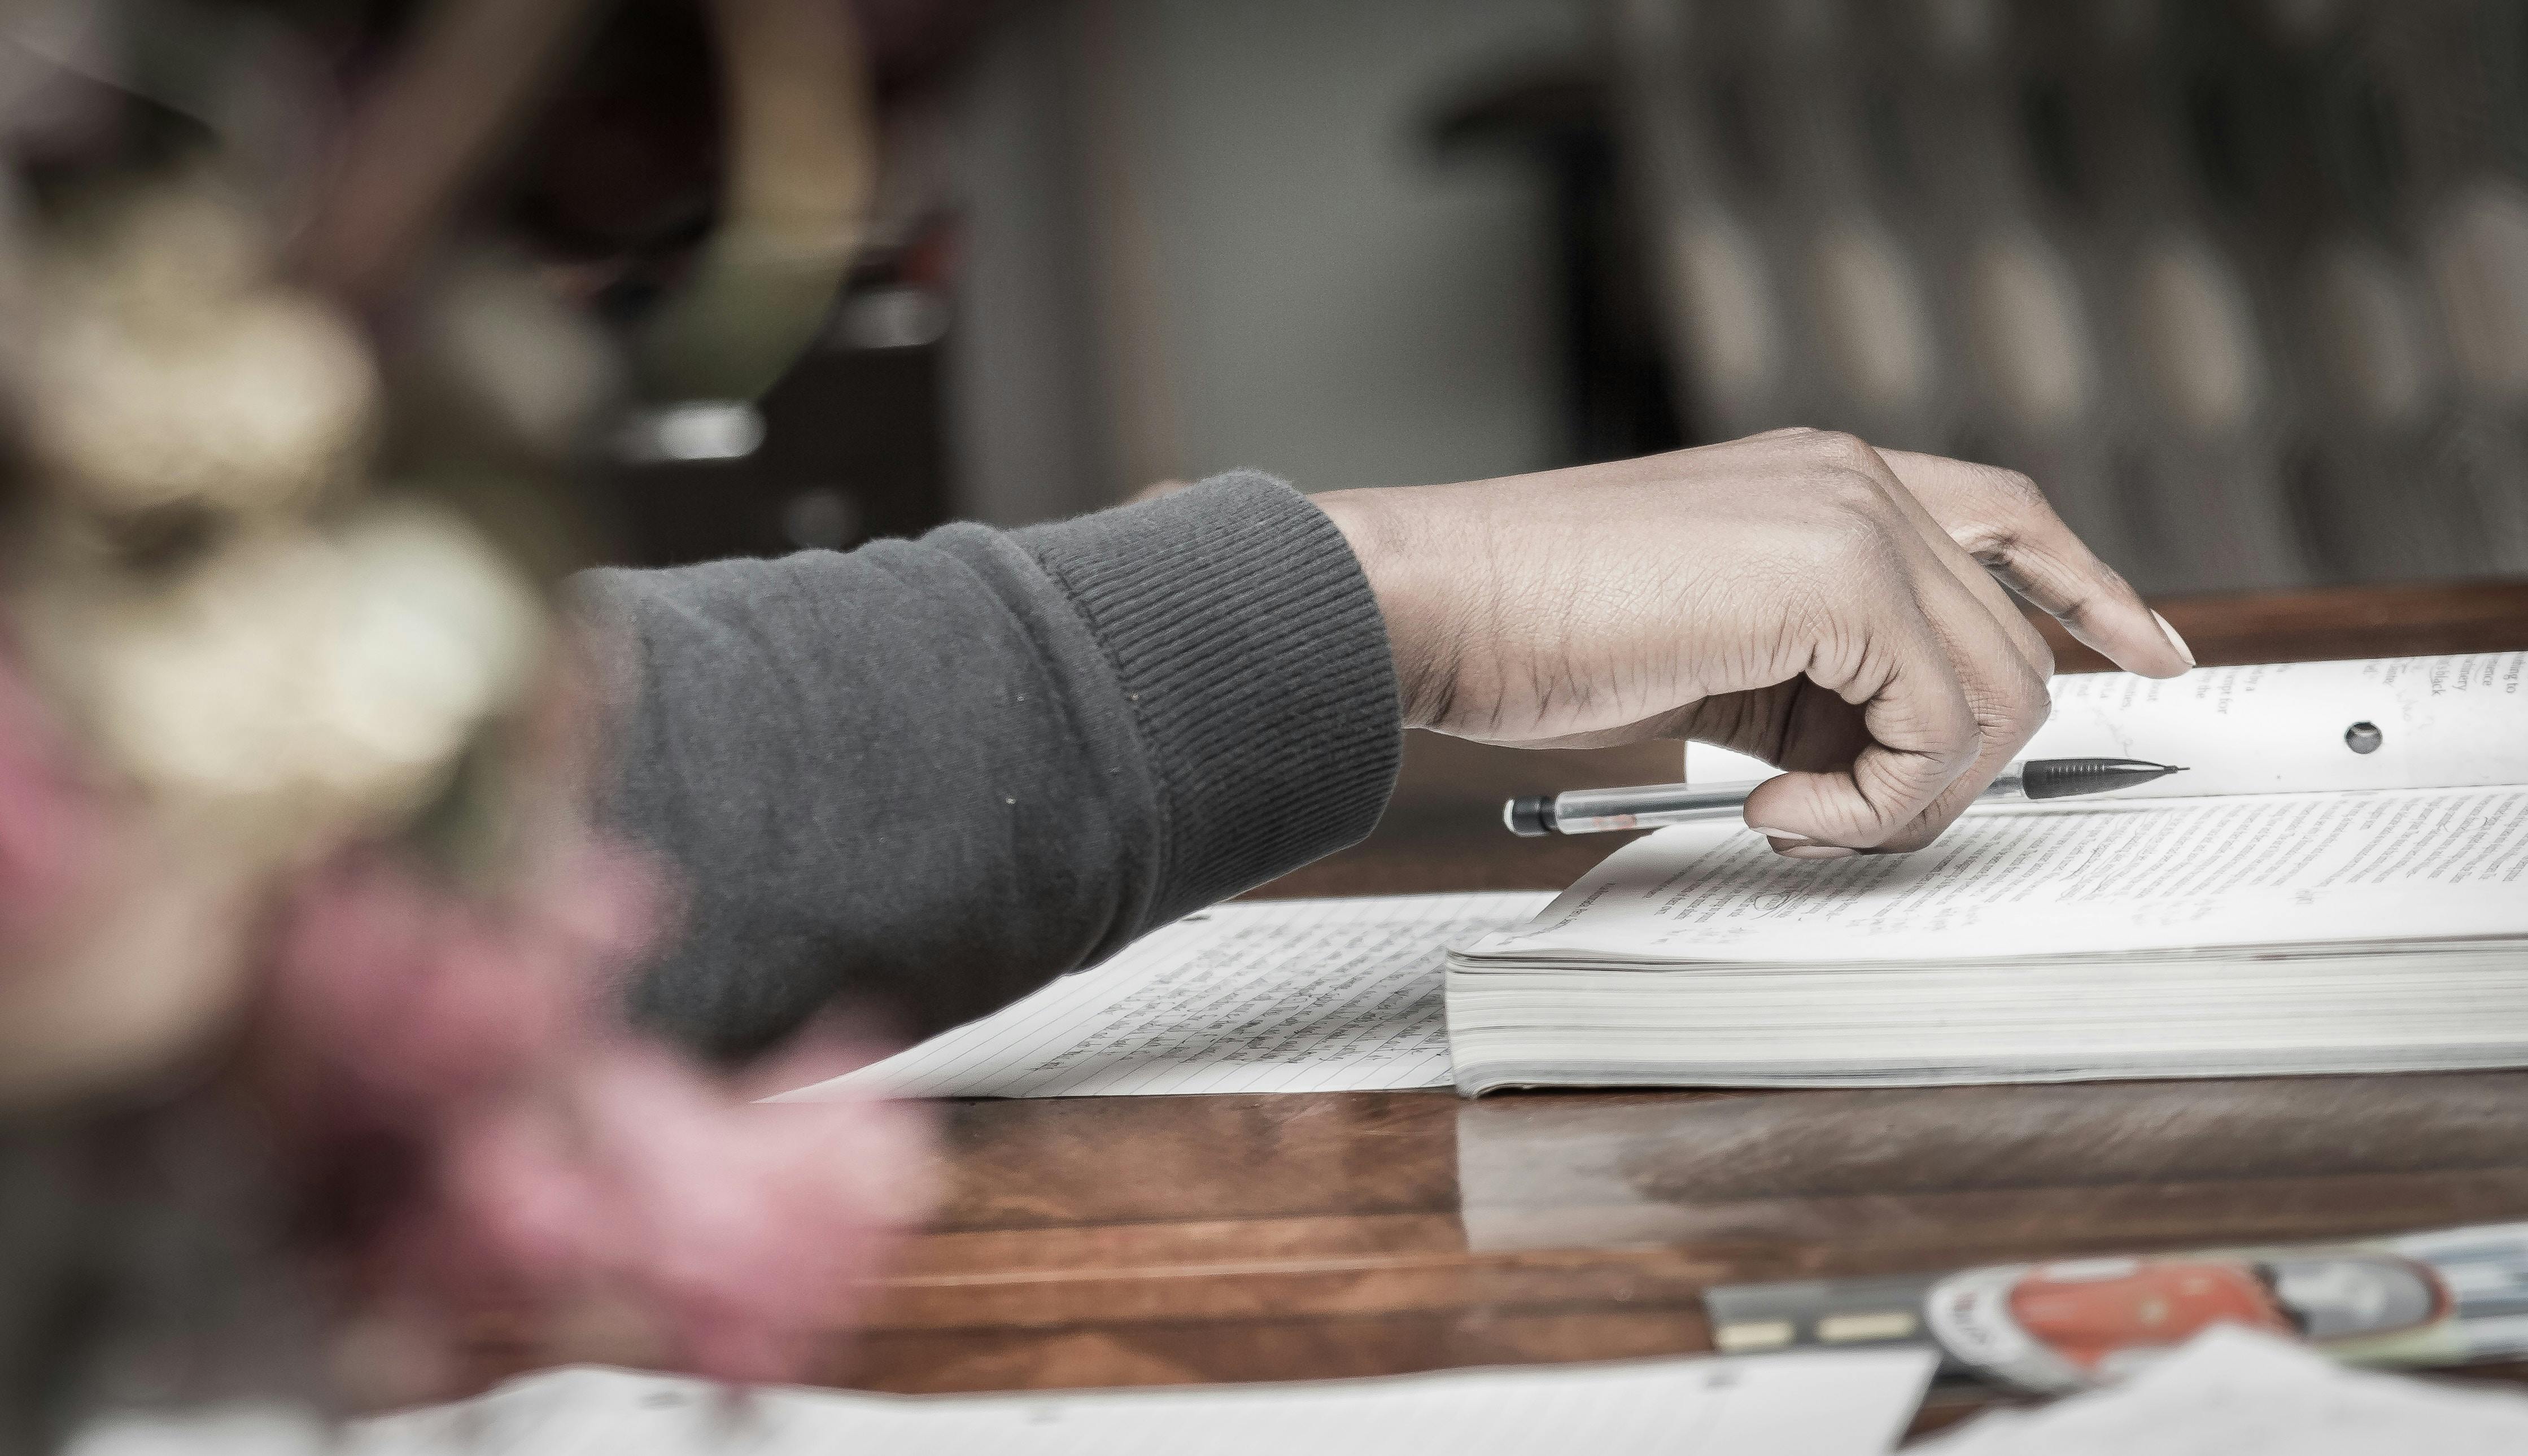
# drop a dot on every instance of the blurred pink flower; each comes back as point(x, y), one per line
point(54, 830)
point(743, 1232)
point(505, 1142)
point(408, 992)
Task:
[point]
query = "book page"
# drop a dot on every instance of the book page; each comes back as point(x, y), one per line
point(2282, 727)
point(1279, 996)
point(1842, 1403)
point(2443, 722)
point(2260, 870)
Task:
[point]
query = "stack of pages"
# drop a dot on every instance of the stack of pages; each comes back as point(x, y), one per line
point(2340, 884)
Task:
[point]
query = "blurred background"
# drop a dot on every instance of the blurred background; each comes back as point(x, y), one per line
point(1140, 240)
point(2244, 285)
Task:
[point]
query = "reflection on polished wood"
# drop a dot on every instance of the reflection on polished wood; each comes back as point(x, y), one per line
point(1102, 1241)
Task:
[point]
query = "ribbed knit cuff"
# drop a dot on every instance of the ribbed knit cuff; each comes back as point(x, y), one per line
point(1255, 664)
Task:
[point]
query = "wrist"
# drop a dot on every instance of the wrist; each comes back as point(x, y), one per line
point(1386, 541)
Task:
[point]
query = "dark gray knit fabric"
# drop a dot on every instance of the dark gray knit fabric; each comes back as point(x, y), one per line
point(923, 778)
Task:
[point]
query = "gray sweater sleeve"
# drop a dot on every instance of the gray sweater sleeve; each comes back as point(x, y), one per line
point(924, 777)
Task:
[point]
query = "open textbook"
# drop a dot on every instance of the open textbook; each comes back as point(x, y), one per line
point(2340, 884)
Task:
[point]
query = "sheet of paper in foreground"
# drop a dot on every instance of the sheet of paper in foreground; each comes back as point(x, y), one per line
point(2237, 1393)
point(1842, 1403)
point(1277, 995)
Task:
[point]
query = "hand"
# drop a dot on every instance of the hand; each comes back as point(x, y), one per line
point(1827, 607)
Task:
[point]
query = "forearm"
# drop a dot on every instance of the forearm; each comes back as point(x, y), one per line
point(930, 775)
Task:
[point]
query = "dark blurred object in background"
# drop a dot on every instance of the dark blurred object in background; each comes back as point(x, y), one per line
point(2243, 285)
point(2243, 282)
point(618, 186)
point(850, 446)
point(1618, 392)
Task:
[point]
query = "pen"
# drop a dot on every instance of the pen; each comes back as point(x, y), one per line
point(1650, 806)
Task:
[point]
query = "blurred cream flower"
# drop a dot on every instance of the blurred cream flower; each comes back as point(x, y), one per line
point(167, 369)
point(299, 684)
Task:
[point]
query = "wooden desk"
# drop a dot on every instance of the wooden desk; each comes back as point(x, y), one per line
point(1122, 1241)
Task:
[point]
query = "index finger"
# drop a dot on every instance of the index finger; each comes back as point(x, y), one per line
point(2002, 520)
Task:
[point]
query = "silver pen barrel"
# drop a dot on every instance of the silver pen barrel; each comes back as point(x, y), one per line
point(1605, 811)
point(1656, 806)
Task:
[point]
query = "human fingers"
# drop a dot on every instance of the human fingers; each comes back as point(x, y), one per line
point(1876, 466)
point(2003, 689)
point(2002, 520)
point(1979, 584)
point(1873, 647)
point(1790, 725)
point(1994, 658)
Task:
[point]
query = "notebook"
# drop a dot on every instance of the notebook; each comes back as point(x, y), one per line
point(2339, 884)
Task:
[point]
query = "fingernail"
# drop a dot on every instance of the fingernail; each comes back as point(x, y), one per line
point(2174, 640)
point(1818, 852)
point(1790, 834)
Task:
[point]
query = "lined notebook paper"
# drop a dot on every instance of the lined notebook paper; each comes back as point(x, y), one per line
point(1817, 1404)
point(1280, 996)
